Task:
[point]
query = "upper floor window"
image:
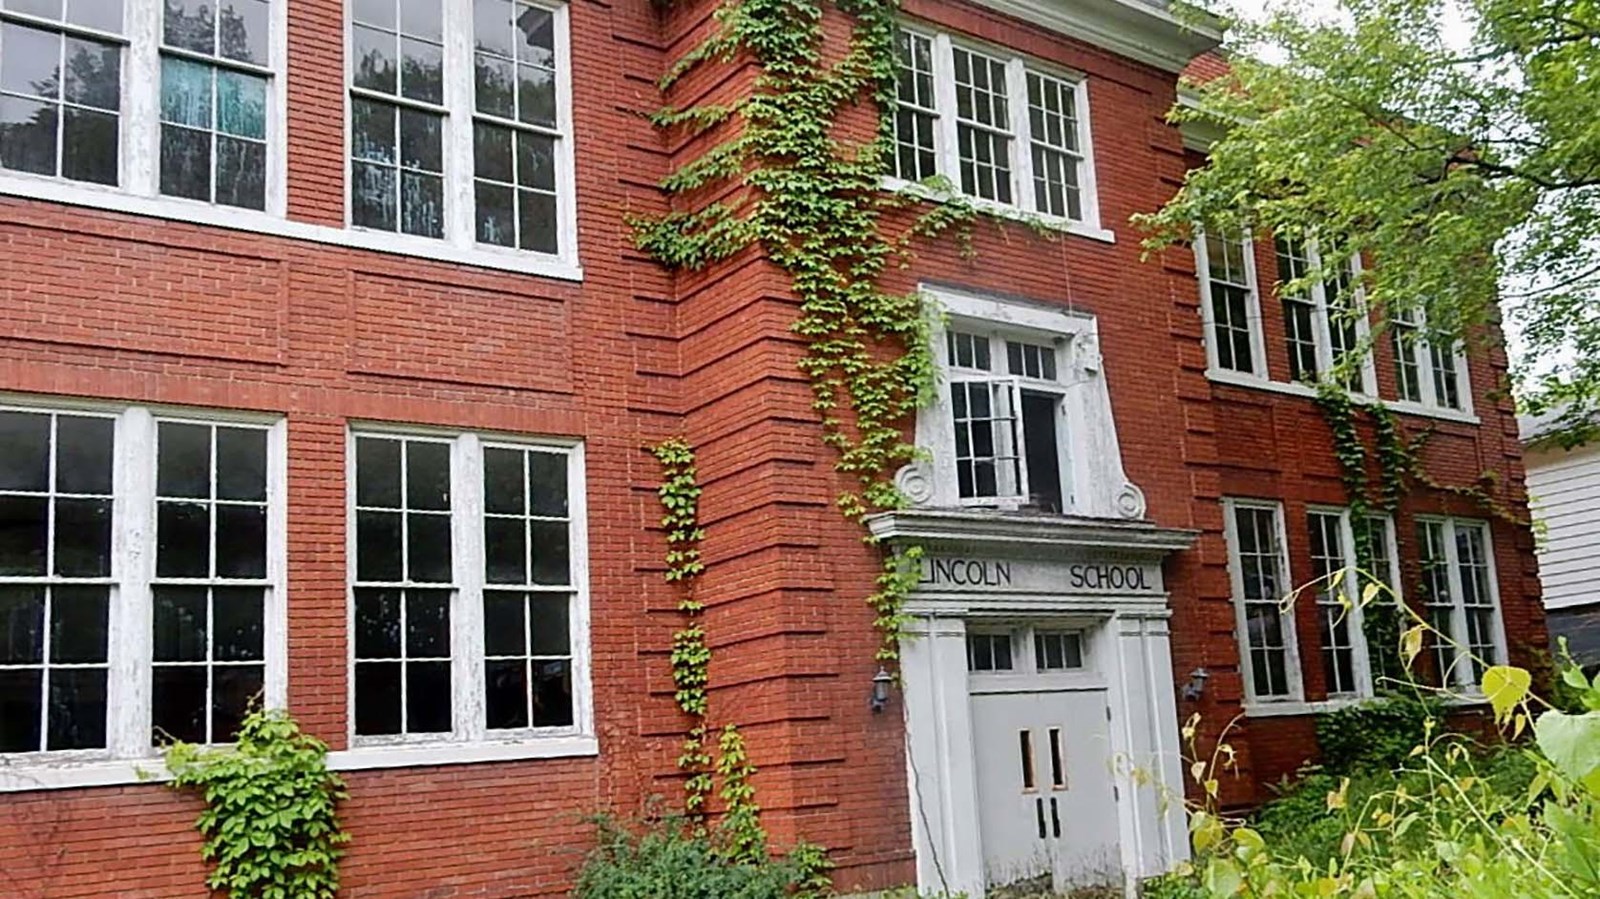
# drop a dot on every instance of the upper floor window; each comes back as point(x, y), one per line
point(1259, 565)
point(1462, 598)
point(1428, 369)
point(471, 159)
point(1324, 322)
point(1001, 128)
point(1231, 307)
point(469, 622)
point(76, 89)
point(136, 542)
point(1005, 409)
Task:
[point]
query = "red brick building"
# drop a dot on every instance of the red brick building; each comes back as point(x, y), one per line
point(327, 364)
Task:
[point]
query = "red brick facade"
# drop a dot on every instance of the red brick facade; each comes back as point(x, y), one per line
point(118, 307)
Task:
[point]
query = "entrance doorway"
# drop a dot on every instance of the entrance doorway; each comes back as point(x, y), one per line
point(1048, 815)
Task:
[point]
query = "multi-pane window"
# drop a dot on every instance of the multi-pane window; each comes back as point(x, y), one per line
point(465, 601)
point(61, 88)
point(1338, 616)
point(1000, 128)
point(1323, 320)
point(215, 73)
point(414, 102)
point(1446, 378)
point(1375, 552)
point(1007, 423)
point(989, 651)
point(1229, 273)
point(1346, 322)
point(983, 125)
point(1459, 591)
point(1025, 649)
point(917, 111)
point(188, 590)
point(1428, 368)
point(1057, 650)
point(1260, 581)
point(1299, 311)
point(1405, 335)
point(211, 580)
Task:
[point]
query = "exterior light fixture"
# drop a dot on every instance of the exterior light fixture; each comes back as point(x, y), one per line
point(880, 690)
point(1196, 687)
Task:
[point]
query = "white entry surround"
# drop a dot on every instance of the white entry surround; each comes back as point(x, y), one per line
point(998, 565)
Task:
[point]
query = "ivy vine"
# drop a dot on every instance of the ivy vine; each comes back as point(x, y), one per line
point(270, 824)
point(813, 202)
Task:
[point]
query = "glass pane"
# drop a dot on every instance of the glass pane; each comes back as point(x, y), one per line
point(496, 218)
point(428, 697)
point(506, 683)
point(491, 26)
point(31, 62)
point(105, 15)
point(190, 25)
point(178, 704)
point(244, 32)
point(505, 543)
point(421, 141)
point(537, 221)
point(238, 613)
point(422, 205)
point(494, 86)
point(422, 18)
point(427, 624)
point(83, 537)
point(241, 541)
point(83, 454)
point(491, 152)
point(180, 620)
point(184, 464)
point(536, 95)
point(185, 92)
point(378, 546)
point(428, 476)
point(503, 631)
point(547, 484)
point(235, 689)
point(44, 9)
point(23, 529)
point(377, 624)
point(185, 163)
point(536, 165)
point(78, 624)
point(428, 548)
point(550, 560)
point(372, 134)
point(536, 29)
point(27, 136)
point(421, 71)
point(183, 540)
point(241, 464)
point(89, 146)
point(242, 104)
point(502, 481)
point(375, 12)
point(374, 59)
point(22, 625)
point(20, 707)
point(377, 697)
point(549, 628)
point(25, 451)
point(77, 708)
point(94, 74)
point(373, 196)
point(552, 693)
point(377, 472)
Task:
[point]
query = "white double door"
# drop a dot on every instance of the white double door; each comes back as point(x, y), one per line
point(1047, 804)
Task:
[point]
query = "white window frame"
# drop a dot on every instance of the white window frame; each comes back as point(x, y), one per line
point(1025, 670)
point(947, 144)
point(469, 739)
point(460, 208)
point(130, 618)
point(1322, 325)
point(1421, 352)
point(1294, 679)
point(1350, 588)
point(1460, 673)
point(1258, 346)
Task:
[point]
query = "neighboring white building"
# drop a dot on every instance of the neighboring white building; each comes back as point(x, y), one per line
point(1564, 493)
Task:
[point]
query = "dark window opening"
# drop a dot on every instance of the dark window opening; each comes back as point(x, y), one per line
point(1044, 469)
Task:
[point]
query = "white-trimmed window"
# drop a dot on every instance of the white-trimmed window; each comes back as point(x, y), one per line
point(1025, 649)
point(1462, 597)
point(1339, 614)
point(1323, 322)
point(141, 578)
point(1259, 566)
point(460, 123)
point(1231, 308)
point(468, 599)
point(1428, 371)
point(1002, 129)
point(1005, 400)
point(177, 98)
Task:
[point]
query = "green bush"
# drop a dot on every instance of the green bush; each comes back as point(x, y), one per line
point(1375, 735)
point(673, 859)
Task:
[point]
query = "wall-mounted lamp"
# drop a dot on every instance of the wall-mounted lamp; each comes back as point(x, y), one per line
point(1196, 687)
point(880, 690)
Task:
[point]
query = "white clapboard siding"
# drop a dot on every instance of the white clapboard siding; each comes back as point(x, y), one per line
point(1564, 488)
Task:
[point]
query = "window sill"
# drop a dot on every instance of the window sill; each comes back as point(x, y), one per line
point(1405, 407)
point(363, 758)
point(1002, 210)
point(1293, 707)
point(117, 200)
point(68, 774)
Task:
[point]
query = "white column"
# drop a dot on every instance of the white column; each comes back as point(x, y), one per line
point(939, 758)
point(1144, 736)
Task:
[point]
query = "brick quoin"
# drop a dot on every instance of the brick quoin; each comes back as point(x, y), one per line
point(117, 307)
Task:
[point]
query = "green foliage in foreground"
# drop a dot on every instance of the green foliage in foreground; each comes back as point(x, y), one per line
point(674, 859)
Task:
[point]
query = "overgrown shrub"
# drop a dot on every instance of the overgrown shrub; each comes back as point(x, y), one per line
point(1376, 735)
point(674, 859)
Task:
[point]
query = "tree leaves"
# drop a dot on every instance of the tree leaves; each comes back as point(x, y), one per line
point(1506, 688)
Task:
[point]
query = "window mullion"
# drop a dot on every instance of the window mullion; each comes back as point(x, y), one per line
point(466, 619)
point(133, 554)
point(1422, 355)
point(1462, 645)
point(274, 608)
point(1353, 589)
point(944, 90)
point(1022, 135)
point(141, 99)
point(1321, 326)
point(458, 100)
point(1253, 318)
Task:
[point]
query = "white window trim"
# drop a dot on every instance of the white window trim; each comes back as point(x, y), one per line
point(128, 755)
point(1350, 587)
point(469, 739)
point(1024, 675)
point(1258, 345)
point(946, 144)
point(460, 222)
point(1460, 673)
point(1292, 664)
point(1422, 349)
point(1322, 321)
